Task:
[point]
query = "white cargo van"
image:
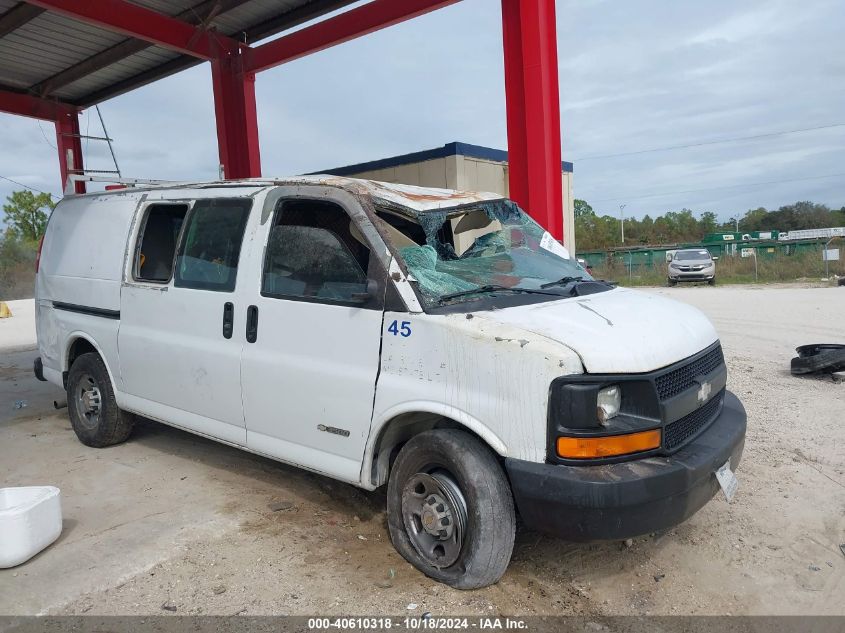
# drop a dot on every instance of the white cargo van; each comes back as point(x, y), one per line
point(439, 342)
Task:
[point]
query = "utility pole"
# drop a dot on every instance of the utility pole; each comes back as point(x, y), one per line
point(622, 221)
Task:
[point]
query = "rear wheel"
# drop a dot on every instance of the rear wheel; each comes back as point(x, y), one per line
point(450, 509)
point(94, 414)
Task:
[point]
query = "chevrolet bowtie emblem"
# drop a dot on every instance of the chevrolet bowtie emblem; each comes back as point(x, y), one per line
point(704, 391)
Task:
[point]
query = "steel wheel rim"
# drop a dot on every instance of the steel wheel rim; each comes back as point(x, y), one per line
point(434, 512)
point(88, 401)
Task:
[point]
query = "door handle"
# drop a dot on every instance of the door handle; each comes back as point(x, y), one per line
point(228, 319)
point(252, 324)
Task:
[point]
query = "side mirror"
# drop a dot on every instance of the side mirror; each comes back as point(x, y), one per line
point(369, 293)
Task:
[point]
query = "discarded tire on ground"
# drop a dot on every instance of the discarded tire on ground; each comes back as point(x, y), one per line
point(821, 358)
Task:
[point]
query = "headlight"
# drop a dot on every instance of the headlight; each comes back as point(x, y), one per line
point(608, 402)
point(590, 418)
point(674, 265)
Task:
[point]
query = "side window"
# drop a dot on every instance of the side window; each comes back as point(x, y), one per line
point(157, 242)
point(315, 252)
point(211, 244)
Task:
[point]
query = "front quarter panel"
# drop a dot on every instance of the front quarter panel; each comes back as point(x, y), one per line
point(492, 378)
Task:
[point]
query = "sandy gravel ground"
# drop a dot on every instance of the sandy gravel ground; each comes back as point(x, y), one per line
point(172, 523)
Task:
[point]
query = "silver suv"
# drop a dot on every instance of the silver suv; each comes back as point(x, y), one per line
point(692, 264)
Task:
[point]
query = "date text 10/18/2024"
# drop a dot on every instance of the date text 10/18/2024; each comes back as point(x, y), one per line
point(426, 622)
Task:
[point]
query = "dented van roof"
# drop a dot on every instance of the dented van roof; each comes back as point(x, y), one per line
point(418, 199)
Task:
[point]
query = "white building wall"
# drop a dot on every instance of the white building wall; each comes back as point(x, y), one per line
point(429, 173)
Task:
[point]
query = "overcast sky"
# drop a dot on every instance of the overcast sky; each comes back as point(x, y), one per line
point(634, 75)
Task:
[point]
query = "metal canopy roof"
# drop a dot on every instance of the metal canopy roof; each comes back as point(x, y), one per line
point(59, 56)
point(48, 55)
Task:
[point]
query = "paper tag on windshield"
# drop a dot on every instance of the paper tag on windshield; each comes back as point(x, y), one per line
point(550, 244)
point(727, 480)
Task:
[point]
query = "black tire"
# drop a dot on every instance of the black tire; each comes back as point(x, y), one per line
point(819, 358)
point(93, 411)
point(672, 282)
point(484, 551)
point(711, 282)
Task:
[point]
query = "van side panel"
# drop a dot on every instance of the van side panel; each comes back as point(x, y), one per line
point(58, 330)
point(78, 284)
point(84, 251)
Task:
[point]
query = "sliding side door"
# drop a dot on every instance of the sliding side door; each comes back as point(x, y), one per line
point(179, 340)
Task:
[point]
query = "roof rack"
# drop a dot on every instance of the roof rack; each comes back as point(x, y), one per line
point(125, 182)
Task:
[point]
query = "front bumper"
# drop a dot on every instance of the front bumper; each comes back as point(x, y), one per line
point(692, 275)
point(619, 501)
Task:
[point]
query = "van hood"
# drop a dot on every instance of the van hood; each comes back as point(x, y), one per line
point(618, 331)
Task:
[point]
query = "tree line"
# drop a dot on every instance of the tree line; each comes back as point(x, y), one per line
point(25, 216)
point(598, 232)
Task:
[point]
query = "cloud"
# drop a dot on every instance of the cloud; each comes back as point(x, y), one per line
point(633, 76)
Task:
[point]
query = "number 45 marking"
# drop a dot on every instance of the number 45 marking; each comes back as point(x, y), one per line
point(403, 330)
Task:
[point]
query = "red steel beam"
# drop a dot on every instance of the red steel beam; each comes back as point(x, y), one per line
point(69, 145)
point(66, 119)
point(144, 24)
point(533, 110)
point(27, 105)
point(347, 26)
point(237, 118)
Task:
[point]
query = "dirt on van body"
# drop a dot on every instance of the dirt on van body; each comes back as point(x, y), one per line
point(173, 523)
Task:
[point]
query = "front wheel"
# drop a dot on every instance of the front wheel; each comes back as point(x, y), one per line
point(450, 509)
point(672, 282)
point(711, 282)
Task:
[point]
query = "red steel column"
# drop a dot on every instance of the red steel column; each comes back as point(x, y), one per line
point(237, 118)
point(533, 110)
point(70, 149)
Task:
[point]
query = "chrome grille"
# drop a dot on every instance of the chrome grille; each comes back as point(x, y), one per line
point(679, 380)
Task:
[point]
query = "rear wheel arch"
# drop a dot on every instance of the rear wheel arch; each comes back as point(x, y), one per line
point(94, 414)
point(397, 430)
point(77, 345)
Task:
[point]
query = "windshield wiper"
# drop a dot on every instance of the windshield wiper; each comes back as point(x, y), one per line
point(562, 281)
point(493, 288)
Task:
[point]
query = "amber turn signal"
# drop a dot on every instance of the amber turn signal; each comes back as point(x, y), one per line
point(608, 446)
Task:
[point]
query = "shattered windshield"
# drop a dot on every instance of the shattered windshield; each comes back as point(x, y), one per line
point(482, 249)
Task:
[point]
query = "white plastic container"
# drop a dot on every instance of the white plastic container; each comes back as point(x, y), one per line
point(30, 519)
